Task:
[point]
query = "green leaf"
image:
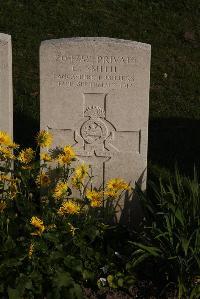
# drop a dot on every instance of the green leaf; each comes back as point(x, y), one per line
point(150, 249)
point(195, 294)
point(136, 261)
point(14, 293)
point(52, 236)
point(12, 262)
point(179, 216)
point(76, 292)
point(73, 263)
point(185, 245)
point(120, 282)
point(88, 275)
point(9, 244)
point(130, 280)
point(63, 279)
point(1, 288)
point(111, 282)
point(54, 294)
point(28, 285)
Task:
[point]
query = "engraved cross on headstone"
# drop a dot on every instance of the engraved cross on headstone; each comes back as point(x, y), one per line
point(95, 139)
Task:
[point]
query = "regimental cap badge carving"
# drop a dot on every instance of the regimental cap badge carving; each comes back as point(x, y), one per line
point(94, 112)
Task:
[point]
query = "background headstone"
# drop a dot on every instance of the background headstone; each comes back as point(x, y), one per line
point(95, 96)
point(6, 91)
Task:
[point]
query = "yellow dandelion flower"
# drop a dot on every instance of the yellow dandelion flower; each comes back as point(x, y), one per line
point(30, 251)
point(67, 156)
point(5, 177)
point(63, 159)
point(69, 151)
point(117, 184)
point(60, 190)
point(43, 179)
point(14, 145)
point(96, 203)
point(2, 206)
point(69, 207)
point(44, 138)
point(81, 171)
point(95, 198)
point(38, 224)
point(5, 139)
point(6, 153)
point(45, 157)
point(111, 193)
point(26, 156)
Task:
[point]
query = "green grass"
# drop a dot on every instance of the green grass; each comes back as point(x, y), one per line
point(174, 101)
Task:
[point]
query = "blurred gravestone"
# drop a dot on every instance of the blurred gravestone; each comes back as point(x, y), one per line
point(6, 92)
point(95, 96)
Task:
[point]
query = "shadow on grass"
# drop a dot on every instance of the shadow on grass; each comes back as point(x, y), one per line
point(175, 141)
point(172, 143)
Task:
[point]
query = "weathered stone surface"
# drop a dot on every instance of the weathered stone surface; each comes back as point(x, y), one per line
point(6, 91)
point(95, 96)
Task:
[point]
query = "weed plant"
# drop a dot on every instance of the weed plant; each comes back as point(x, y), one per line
point(53, 226)
point(168, 250)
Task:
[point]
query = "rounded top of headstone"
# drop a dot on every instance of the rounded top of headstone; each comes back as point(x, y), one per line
point(99, 40)
point(5, 37)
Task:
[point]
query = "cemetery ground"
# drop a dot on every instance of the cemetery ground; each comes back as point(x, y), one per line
point(161, 259)
point(171, 28)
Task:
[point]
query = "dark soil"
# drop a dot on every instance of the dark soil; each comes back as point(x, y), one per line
point(144, 290)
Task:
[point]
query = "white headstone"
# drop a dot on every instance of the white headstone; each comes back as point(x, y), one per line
point(6, 91)
point(95, 96)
